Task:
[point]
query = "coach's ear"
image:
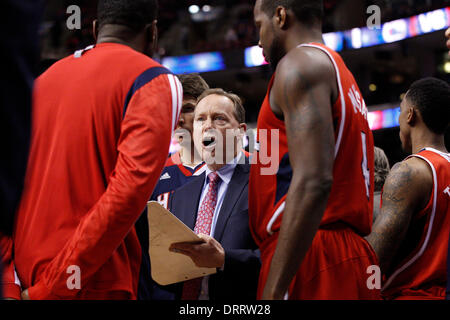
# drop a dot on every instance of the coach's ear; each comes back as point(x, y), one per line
point(95, 29)
point(242, 129)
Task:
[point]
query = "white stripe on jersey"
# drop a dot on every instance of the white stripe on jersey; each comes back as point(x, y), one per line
point(444, 155)
point(341, 93)
point(275, 217)
point(16, 278)
point(430, 228)
point(180, 98)
point(177, 98)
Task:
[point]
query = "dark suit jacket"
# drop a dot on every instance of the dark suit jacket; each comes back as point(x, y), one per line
point(239, 279)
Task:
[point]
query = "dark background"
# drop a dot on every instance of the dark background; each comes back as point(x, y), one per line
point(229, 28)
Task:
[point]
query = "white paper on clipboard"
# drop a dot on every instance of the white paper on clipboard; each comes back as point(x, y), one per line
point(164, 229)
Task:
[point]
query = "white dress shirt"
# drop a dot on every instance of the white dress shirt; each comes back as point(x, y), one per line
point(225, 173)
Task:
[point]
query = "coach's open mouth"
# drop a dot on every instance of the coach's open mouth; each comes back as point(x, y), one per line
point(209, 142)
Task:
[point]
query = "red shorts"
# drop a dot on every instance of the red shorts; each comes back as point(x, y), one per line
point(436, 292)
point(334, 268)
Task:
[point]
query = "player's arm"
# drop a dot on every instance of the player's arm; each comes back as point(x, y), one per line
point(142, 151)
point(406, 191)
point(303, 90)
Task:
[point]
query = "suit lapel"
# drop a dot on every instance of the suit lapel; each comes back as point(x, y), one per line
point(234, 191)
point(190, 207)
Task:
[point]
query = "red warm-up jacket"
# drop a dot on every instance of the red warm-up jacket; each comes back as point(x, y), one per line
point(101, 127)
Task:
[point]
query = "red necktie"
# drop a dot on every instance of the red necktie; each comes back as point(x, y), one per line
point(191, 288)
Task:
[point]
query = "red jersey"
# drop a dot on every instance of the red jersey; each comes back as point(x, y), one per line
point(101, 128)
point(351, 197)
point(422, 270)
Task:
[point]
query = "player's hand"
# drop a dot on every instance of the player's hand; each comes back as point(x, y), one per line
point(25, 295)
point(447, 35)
point(206, 254)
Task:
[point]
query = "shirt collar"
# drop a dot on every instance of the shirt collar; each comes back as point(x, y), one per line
point(226, 172)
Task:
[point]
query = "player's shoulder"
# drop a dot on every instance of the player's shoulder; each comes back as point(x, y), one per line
point(409, 173)
point(57, 69)
point(169, 176)
point(126, 58)
point(169, 163)
point(417, 166)
point(307, 63)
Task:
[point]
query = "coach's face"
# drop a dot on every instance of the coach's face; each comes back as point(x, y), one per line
point(403, 119)
point(216, 131)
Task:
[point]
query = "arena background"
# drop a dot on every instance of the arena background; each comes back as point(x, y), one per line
point(217, 39)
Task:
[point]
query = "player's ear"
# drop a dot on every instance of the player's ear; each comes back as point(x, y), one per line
point(152, 36)
point(281, 17)
point(411, 116)
point(95, 29)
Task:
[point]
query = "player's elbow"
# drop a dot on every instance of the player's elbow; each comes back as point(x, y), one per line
point(323, 185)
point(318, 185)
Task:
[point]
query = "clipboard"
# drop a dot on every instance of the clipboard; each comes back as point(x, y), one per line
point(164, 229)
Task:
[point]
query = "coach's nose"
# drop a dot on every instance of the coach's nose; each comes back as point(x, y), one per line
point(207, 124)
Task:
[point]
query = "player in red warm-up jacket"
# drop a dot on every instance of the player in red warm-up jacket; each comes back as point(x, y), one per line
point(101, 128)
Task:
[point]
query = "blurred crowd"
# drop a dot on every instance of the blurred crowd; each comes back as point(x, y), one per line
point(227, 25)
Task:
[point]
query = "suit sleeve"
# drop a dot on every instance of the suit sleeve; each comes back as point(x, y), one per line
point(143, 147)
point(239, 278)
point(9, 282)
point(241, 268)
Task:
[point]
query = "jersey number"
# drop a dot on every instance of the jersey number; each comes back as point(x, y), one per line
point(364, 164)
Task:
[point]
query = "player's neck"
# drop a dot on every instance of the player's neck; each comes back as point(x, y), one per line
point(189, 157)
point(428, 140)
point(302, 35)
point(120, 35)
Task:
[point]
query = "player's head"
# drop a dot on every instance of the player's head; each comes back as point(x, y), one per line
point(426, 106)
point(128, 19)
point(275, 18)
point(381, 168)
point(219, 126)
point(193, 86)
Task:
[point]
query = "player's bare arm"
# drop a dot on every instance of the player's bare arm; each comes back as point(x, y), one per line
point(403, 195)
point(302, 91)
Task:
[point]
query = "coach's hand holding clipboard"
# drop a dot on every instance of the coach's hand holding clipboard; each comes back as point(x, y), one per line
point(164, 230)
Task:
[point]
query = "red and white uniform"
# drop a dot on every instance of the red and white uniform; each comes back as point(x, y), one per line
point(101, 128)
point(349, 208)
point(421, 270)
